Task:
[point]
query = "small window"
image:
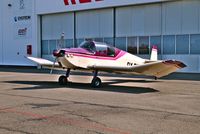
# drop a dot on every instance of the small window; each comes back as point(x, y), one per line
point(156, 41)
point(45, 47)
point(195, 44)
point(98, 39)
point(78, 42)
point(144, 45)
point(169, 44)
point(109, 40)
point(120, 42)
point(52, 45)
point(69, 43)
point(132, 45)
point(182, 44)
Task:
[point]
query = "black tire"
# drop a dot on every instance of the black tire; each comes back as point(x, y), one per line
point(62, 80)
point(96, 82)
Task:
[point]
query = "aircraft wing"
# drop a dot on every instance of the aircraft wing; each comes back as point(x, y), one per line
point(157, 68)
point(44, 62)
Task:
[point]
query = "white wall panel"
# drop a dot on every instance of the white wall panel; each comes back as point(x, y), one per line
point(172, 17)
point(190, 16)
point(138, 15)
point(124, 21)
point(94, 23)
point(138, 20)
point(106, 23)
point(54, 25)
point(152, 19)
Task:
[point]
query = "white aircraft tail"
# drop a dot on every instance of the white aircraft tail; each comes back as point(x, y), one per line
point(154, 54)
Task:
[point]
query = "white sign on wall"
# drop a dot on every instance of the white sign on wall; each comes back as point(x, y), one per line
point(22, 31)
point(22, 19)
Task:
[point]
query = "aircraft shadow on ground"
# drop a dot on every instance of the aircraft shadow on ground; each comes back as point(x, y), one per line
point(106, 86)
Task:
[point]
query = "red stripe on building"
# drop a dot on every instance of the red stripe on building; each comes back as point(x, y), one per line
point(81, 1)
point(73, 2)
point(66, 2)
point(85, 1)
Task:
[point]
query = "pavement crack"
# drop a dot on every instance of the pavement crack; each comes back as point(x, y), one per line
point(13, 130)
point(85, 118)
point(102, 105)
point(95, 132)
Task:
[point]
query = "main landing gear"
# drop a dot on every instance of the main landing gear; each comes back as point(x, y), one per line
point(63, 80)
point(96, 81)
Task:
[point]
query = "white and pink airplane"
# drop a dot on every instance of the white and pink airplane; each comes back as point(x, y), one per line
point(96, 56)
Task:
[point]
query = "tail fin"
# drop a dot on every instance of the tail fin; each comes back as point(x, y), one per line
point(154, 54)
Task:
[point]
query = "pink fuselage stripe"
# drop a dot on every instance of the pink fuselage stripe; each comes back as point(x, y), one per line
point(122, 53)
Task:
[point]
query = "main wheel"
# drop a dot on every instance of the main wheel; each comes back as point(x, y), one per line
point(96, 82)
point(62, 80)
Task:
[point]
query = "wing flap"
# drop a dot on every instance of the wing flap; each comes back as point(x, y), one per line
point(158, 68)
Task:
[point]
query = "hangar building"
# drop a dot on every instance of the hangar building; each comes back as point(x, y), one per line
point(34, 27)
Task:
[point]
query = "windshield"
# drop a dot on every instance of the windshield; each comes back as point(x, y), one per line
point(90, 46)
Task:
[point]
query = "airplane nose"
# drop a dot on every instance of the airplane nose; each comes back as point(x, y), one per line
point(58, 53)
point(55, 53)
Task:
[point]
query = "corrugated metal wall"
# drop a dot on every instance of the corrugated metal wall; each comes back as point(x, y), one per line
point(94, 23)
point(53, 25)
point(138, 20)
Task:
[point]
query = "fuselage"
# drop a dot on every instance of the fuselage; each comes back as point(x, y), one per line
point(100, 55)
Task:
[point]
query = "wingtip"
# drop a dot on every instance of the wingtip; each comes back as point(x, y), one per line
point(178, 64)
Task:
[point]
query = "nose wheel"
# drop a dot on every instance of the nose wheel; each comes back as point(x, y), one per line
point(96, 81)
point(63, 80)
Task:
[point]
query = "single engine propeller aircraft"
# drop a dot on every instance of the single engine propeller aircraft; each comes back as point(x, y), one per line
point(96, 56)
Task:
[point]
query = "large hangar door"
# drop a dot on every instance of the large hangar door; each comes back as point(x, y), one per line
point(95, 24)
point(52, 27)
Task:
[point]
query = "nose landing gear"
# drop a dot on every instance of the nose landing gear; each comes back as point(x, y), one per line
point(63, 80)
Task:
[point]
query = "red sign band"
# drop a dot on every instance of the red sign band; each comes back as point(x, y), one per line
point(80, 1)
